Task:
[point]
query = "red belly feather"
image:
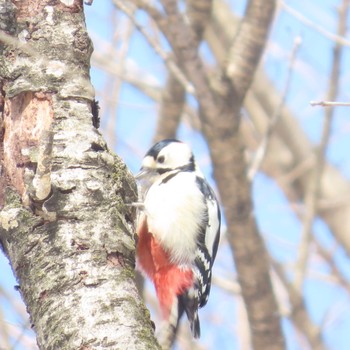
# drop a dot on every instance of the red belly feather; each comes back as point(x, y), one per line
point(169, 279)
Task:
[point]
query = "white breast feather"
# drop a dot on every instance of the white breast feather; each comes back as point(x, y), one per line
point(174, 212)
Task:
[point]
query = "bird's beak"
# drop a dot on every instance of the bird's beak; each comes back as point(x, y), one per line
point(145, 173)
point(141, 174)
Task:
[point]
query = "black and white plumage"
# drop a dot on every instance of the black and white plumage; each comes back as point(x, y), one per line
point(179, 230)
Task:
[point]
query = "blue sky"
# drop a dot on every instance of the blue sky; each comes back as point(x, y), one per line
point(136, 120)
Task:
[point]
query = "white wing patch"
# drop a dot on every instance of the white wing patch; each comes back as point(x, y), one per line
point(213, 226)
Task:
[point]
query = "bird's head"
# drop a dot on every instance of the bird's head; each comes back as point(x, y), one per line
point(166, 156)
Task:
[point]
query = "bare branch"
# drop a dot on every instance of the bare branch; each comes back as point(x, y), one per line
point(260, 153)
point(299, 314)
point(312, 194)
point(225, 284)
point(199, 12)
point(171, 106)
point(250, 39)
point(173, 97)
point(328, 256)
point(172, 66)
point(337, 38)
point(4, 331)
point(115, 84)
point(329, 104)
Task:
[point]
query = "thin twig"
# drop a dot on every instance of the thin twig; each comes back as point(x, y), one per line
point(329, 104)
point(261, 151)
point(337, 38)
point(298, 313)
point(232, 287)
point(148, 7)
point(4, 331)
point(312, 193)
point(116, 83)
point(140, 79)
point(169, 62)
point(328, 256)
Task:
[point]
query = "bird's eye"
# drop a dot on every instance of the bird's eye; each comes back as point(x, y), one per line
point(161, 159)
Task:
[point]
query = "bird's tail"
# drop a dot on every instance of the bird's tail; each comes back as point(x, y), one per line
point(183, 303)
point(189, 303)
point(167, 333)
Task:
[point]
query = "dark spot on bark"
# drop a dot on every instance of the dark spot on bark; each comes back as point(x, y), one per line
point(84, 347)
point(67, 218)
point(83, 274)
point(79, 245)
point(20, 266)
point(2, 99)
point(129, 218)
point(17, 288)
point(95, 110)
point(27, 164)
point(91, 284)
point(43, 295)
point(38, 224)
point(115, 259)
point(31, 247)
point(67, 191)
point(97, 147)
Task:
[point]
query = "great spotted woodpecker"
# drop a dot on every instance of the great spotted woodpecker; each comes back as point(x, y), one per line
point(178, 231)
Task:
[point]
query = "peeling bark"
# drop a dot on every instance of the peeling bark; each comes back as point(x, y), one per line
point(64, 224)
point(26, 118)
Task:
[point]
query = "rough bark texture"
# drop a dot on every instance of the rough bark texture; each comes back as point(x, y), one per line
point(63, 222)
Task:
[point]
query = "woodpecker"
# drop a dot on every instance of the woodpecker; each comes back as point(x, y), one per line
point(178, 231)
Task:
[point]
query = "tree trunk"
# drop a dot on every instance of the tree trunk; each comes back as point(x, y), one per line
point(64, 223)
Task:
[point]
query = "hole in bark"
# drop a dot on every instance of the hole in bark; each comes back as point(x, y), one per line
point(96, 147)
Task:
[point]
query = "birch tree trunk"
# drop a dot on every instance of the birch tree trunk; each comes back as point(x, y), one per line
point(64, 223)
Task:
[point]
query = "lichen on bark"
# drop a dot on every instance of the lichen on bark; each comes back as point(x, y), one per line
point(64, 220)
